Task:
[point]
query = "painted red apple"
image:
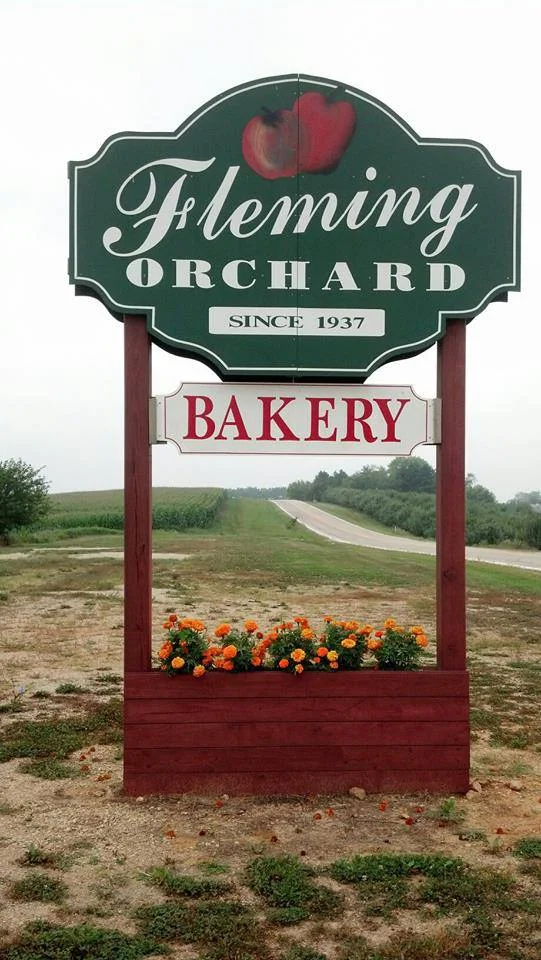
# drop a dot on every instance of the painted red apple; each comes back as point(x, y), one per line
point(328, 126)
point(270, 144)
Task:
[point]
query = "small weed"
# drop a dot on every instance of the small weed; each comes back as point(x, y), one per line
point(70, 688)
point(12, 706)
point(110, 678)
point(36, 857)
point(473, 836)
point(50, 769)
point(298, 952)
point(175, 885)
point(447, 813)
point(41, 695)
point(213, 867)
point(383, 866)
point(284, 916)
point(6, 809)
point(466, 888)
point(286, 882)
point(45, 941)
point(529, 848)
point(38, 886)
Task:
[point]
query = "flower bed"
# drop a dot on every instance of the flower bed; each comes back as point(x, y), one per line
point(259, 725)
point(292, 646)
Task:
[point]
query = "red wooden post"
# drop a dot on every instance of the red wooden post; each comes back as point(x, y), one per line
point(137, 497)
point(450, 500)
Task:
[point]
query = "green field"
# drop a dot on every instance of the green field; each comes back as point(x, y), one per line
point(174, 508)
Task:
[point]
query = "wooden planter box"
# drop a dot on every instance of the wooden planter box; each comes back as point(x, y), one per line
point(275, 733)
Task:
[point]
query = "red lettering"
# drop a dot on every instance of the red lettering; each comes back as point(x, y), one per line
point(236, 421)
point(194, 415)
point(352, 420)
point(270, 418)
point(317, 417)
point(390, 421)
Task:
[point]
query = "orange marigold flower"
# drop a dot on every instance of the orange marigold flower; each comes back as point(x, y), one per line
point(307, 633)
point(322, 651)
point(272, 636)
point(366, 630)
point(250, 626)
point(334, 665)
point(166, 625)
point(349, 643)
point(421, 640)
point(374, 644)
point(332, 655)
point(378, 633)
point(390, 624)
point(199, 670)
point(230, 651)
point(327, 619)
point(416, 630)
point(299, 668)
point(298, 655)
point(316, 660)
point(256, 661)
point(222, 630)
point(351, 625)
point(213, 650)
point(165, 651)
point(228, 665)
point(283, 663)
point(177, 663)
point(259, 635)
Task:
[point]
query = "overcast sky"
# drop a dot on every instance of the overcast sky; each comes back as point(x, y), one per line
point(73, 73)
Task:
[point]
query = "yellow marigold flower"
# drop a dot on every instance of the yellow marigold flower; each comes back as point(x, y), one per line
point(390, 624)
point(298, 655)
point(230, 651)
point(322, 651)
point(299, 668)
point(222, 630)
point(250, 626)
point(349, 643)
point(374, 644)
point(334, 665)
point(283, 663)
point(199, 671)
point(177, 663)
point(332, 655)
point(421, 640)
point(307, 633)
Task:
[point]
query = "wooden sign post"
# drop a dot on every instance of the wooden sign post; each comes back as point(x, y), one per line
point(306, 244)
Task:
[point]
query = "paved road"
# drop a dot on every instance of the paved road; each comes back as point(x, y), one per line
point(326, 525)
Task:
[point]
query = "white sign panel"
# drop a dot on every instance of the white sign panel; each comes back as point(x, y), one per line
point(318, 419)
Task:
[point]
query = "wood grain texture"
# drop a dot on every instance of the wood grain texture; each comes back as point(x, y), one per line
point(137, 497)
point(395, 710)
point(451, 500)
point(365, 684)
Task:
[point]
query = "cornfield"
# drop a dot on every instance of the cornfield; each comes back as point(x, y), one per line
point(174, 508)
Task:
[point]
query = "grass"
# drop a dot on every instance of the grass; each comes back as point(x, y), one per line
point(48, 941)
point(176, 885)
point(363, 520)
point(286, 884)
point(47, 742)
point(529, 848)
point(38, 887)
point(226, 930)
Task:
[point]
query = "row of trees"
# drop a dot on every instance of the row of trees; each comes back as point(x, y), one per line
point(403, 495)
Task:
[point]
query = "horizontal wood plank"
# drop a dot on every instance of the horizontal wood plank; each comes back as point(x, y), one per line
point(155, 684)
point(225, 758)
point(288, 735)
point(340, 709)
point(456, 780)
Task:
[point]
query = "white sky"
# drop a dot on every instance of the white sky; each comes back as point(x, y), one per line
point(73, 73)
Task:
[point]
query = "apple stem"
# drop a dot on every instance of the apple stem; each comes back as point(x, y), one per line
point(270, 117)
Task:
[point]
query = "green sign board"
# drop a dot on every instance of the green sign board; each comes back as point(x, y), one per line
point(294, 228)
